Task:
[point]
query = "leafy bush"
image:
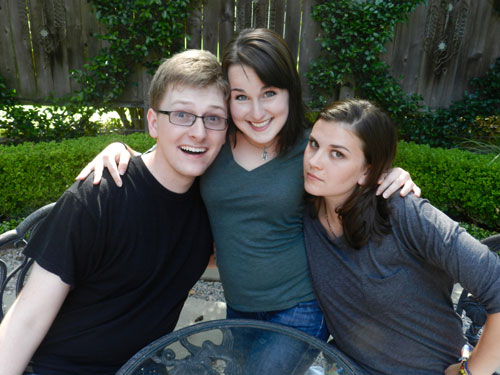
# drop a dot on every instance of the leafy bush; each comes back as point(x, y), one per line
point(7, 96)
point(477, 232)
point(32, 175)
point(445, 127)
point(46, 123)
point(487, 140)
point(462, 184)
point(9, 224)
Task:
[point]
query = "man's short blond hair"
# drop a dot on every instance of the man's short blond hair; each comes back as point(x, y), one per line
point(194, 68)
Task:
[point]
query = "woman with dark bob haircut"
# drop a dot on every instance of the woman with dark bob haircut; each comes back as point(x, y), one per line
point(254, 194)
point(383, 270)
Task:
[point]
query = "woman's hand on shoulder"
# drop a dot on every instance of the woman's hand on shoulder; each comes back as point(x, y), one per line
point(115, 157)
point(395, 179)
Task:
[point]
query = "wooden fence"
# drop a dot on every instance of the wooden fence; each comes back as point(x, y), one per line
point(444, 44)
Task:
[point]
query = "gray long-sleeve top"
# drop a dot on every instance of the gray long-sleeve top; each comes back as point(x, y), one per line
point(388, 305)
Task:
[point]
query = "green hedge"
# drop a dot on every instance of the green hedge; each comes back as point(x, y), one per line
point(465, 185)
point(33, 174)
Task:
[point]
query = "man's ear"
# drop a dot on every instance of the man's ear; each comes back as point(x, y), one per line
point(362, 179)
point(152, 117)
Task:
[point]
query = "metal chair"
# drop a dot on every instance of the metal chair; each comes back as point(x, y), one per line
point(468, 303)
point(18, 238)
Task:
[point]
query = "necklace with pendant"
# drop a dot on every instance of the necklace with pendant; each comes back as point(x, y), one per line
point(264, 154)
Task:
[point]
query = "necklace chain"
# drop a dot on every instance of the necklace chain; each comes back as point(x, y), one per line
point(265, 154)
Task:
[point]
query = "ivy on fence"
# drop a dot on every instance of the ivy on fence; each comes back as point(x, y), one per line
point(354, 34)
point(139, 32)
point(142, 32)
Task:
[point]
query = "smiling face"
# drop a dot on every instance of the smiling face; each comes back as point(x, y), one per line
point(259, 111)
point(184, 152)
point(334, 162)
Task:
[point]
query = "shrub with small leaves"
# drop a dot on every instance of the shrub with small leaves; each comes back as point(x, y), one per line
point(463, 184)
point(34, 174)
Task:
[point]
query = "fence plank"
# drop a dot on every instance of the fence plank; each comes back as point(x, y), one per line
point(403, 53)
point(21, 46)
point(75, 38)
point(309, 47)
point(48, 26)
point(292, 26)
point(8, 67)
point(277, 16)
point(260, 11)
point(211, 16)
point(194, 25)
point(243, 14)
point(478, 51)
point(90, 26)
point(226, 27)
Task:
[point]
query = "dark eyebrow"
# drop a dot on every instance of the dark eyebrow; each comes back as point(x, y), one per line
point(311, 138)
point(339, 146)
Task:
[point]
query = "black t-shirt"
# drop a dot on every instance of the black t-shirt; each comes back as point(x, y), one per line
point(131, 255)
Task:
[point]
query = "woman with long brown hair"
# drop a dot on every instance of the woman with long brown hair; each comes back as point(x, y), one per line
point(383, 270)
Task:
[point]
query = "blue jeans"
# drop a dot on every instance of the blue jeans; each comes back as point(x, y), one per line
point(269, 353)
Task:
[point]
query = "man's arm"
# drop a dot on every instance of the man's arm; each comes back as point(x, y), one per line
point(29, 318)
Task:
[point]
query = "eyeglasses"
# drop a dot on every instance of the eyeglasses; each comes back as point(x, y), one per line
point(182, 118)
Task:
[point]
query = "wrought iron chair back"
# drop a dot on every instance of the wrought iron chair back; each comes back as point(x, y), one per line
point(18, 238)
point(468, 303)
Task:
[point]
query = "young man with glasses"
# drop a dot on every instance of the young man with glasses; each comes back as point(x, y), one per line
point(105, 283)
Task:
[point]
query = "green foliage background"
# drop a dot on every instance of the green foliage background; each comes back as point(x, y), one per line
point(141, 32)
point(354, 34)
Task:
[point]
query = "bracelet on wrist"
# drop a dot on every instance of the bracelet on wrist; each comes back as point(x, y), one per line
point(464, 369)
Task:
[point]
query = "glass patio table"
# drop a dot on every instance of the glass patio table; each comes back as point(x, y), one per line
point(237, 347)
